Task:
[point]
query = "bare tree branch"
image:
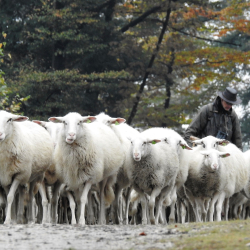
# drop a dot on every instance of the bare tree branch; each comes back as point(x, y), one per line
point(138, 95)
point(205, 39)
point(142, 17)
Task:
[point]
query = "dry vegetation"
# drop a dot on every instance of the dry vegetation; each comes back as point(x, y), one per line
point(217, 235)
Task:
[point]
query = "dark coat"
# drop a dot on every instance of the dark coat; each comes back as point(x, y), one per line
point(212, 118)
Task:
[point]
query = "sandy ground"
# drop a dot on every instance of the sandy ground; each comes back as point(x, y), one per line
point(70, 237)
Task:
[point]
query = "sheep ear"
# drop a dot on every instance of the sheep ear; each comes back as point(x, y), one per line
point(55, 119)
point(185, 146)
point(88, 119)
point(224, 155)
point(223, 142)
point(194, 138)
point(198, 142)
point(165, 140)
point(41, 123)
point(117, 121)
point(19, 118)
point(204, 152)
point(129, 138)
point(154, 141)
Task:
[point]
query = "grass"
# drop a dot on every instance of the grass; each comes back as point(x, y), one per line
point(212, 235)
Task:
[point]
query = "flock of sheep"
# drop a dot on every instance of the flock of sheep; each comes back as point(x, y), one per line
point(97, 169)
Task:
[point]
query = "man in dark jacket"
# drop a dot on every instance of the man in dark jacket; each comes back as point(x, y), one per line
point(218, 119)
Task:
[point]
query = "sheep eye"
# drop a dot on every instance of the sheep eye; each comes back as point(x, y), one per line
point(144, 143)
point(204, 145)
point(9, 120)
point(65, 123)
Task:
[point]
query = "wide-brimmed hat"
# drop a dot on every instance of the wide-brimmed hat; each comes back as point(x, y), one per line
point(230, 95)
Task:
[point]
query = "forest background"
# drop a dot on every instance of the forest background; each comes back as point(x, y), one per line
point(153, 62)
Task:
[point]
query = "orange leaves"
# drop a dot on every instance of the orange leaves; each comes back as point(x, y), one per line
point(195, 87)
point(212, 57)
point(232, 18)
point(58, 14)
point(198, 11)
point(191, 13)
point(223, 32)
point(128, 5)
point(242, 25)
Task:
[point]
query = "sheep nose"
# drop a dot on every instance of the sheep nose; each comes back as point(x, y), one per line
point(71, 134)
point(215, 166)
point(1, 133)
point(136, 154)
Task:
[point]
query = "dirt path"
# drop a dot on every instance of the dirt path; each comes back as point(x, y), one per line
point(88, 237)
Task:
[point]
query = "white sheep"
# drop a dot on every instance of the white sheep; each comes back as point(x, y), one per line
point(237, 181)
point(205, 178)
point(155, 169)
point(87, 154)
point(51, 177)
point(181, 147)
point(122, 131)
point(25, 153)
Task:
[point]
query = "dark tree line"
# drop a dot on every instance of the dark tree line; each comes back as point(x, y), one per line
point(151, 62)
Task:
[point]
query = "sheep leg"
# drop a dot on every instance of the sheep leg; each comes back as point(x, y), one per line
point(31, 217)
point(226, 208)
point(239, 212)
point(203, 213)
point(42, 191)
point(219, 206)
point(72, 205)
point(90, 209)
point(54, 201)
point(183, 211)
point(144, 209)
point(128, 195)
point(165, 195)
point(48, 195)
point(78, 193)
point(154, 194)
point(84, 197)
point(159, 208)
point(172, 206)
point(2, 204)
point(118, 216)
point(211, 206)
point(65, 219)
point(143, 200)
point(10, 198)
point(194, 205)
point(21, 190)
point(162, 215)
point(102, 202)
